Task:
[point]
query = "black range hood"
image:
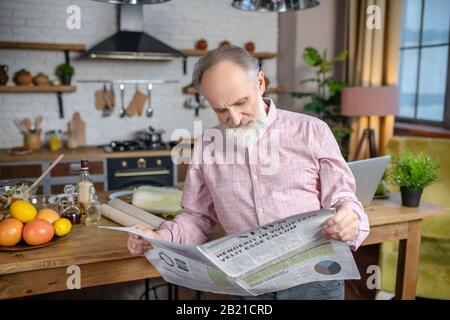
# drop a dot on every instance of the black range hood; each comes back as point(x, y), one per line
point(134, 45)
point(131, 43)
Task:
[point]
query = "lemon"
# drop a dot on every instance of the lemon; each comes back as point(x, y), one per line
point(22, 210)
point(62, 227)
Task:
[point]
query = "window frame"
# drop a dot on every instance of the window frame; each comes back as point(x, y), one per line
point(445, 123)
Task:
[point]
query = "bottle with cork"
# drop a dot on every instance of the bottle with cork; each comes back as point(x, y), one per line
point(84, 187)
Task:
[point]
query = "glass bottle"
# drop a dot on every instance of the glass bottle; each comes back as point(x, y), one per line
point(92, 215)
point(83, 187)
point(70, 211)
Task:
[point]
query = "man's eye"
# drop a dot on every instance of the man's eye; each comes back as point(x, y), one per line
point(221, 110)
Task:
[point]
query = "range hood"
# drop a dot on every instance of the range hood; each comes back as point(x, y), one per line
point(130, 42)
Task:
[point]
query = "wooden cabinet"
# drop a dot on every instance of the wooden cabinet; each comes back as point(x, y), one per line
point(20, 171)
point(96, 167)
point(25, 171)
point(66, 172)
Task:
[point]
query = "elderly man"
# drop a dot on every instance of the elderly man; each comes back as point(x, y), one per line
point(311, 172)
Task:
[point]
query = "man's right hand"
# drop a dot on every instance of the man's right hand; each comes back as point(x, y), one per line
point(136, 244)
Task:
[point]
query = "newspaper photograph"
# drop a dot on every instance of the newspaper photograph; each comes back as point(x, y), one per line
point(273, 257)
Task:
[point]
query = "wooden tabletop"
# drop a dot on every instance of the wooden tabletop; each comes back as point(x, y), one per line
point(79, 153)
point(389, 211)
point(90, 244)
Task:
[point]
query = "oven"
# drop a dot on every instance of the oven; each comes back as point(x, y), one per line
point(128, 173)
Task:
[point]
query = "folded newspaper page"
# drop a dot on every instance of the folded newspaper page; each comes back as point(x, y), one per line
point(273, 257)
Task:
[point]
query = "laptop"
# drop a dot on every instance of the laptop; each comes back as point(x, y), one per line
point(368, 174)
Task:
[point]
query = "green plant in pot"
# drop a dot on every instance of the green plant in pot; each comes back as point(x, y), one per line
point(325, 101)
point(412, 173)
point(65, 72)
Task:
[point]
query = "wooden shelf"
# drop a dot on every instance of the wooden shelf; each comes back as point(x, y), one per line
point(270, 90)
point(42, 46)
point(199, 53)
point(275, 90)
point(36, 89)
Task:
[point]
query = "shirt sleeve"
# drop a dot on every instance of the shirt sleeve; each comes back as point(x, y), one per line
point(198, 216)
point(337, 183)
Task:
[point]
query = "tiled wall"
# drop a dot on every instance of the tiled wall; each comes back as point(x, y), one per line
point(179, 23)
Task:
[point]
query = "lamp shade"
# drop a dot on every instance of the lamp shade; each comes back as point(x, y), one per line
point(369, 101)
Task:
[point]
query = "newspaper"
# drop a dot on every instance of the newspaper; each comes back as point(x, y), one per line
point(273, 257)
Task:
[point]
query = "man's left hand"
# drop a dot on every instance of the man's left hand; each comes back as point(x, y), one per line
point(343, 226)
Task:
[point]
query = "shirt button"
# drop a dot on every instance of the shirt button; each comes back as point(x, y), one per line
point(255, 177)
point(260, 210)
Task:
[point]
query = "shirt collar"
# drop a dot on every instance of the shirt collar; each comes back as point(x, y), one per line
point(272, 114)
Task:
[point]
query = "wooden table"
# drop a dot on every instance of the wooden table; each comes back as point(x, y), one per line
point(103, 258)
point(389, 220)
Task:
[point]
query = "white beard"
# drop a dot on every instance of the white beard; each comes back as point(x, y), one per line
point(248, 136)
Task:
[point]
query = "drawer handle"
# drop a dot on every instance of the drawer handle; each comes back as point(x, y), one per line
point(141, 173)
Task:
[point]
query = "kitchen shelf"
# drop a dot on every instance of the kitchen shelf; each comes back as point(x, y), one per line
point(36, 89)
point(270, 90)
point(64, 47)
point(199, 53)
point(262, 55)
point(42, 46)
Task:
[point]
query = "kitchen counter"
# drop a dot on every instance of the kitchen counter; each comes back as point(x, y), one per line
point(91, 152)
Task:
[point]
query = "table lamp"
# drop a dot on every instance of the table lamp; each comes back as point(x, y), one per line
point(367, 102)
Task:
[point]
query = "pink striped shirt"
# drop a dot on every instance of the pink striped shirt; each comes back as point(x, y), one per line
point(312, 174)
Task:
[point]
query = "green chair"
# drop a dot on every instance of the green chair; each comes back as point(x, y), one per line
point(433, 279)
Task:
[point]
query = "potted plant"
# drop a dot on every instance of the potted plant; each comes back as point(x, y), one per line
point(325, 101)
point(65, 72)
point(412, 173)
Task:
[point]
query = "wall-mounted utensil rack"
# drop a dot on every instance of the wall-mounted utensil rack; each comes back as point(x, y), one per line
point(122, 82)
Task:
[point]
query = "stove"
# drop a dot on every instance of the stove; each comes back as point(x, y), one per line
point(132, 145)
point(129, 172)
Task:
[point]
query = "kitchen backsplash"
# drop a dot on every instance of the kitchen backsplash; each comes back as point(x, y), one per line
point(179, 23)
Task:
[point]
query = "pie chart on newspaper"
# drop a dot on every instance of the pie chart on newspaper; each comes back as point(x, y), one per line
point(327, 267)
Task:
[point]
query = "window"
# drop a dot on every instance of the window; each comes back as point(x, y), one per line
point(423, 67)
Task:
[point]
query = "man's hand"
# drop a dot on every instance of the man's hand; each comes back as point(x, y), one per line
point(136, 245)
point(343, 226)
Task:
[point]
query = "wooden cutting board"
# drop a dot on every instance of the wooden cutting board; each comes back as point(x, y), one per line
point(100, 103)
point(77, 132)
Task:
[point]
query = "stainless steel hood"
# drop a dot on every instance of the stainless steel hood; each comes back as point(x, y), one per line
point(274, 5)
point(130, 42)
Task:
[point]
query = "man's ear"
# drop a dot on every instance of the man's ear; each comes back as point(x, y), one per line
point(261, 83)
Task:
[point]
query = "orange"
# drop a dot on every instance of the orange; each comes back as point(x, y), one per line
point(48, 214)
point(10, 232)
point(22, 210)
point(38, 232)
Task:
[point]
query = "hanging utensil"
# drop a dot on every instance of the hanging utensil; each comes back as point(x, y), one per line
point(122, 99)
point(149, 111)
point(106, 111)
point(112, 96)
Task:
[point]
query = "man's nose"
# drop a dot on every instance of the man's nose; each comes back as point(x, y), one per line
point(235, 118)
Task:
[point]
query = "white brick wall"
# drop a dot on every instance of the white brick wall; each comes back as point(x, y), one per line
point(180, 23)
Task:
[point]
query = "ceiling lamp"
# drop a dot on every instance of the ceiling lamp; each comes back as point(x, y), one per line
point(274, 5)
